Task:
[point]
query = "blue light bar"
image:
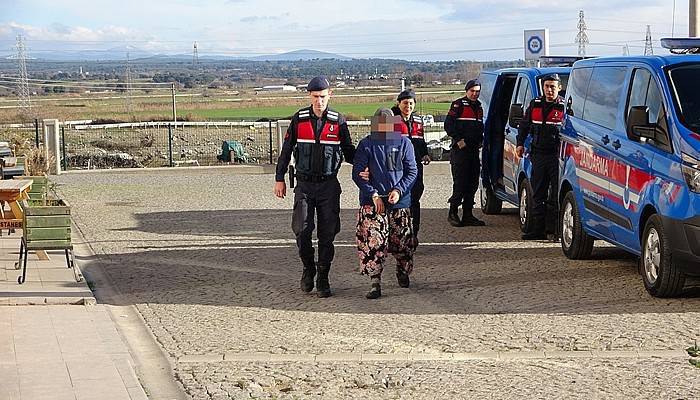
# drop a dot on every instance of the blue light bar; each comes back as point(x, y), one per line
point(681, 45)
point(560, 60)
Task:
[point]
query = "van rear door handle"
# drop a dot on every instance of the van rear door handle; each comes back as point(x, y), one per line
point(606, 139)
point(616, 144)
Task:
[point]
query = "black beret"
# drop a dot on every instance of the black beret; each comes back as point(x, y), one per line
point(471, 84)
point(551, 77)
point(318, 83)
point(406, 94)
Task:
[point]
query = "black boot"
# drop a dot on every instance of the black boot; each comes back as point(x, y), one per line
point(468, 219)
point(376, 291)
point(403, 279)
point(307, 277)
point(323, 287)
point(534, 236)
point(453, 216)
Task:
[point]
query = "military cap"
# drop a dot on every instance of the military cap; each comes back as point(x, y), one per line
point(317, 84)
point(551, 77)
point(471, 84)
point(406, 94)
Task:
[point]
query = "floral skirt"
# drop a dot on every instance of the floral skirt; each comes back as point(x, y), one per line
point(379, 234)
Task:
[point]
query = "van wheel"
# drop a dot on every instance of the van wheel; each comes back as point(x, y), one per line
point(575, 242)
point(525, 206)
point(662, 277)
point(490, 204)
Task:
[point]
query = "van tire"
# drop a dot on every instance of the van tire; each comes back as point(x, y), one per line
point(575, 242)
point(490, 204)
point(525, 206)
point(661, 275)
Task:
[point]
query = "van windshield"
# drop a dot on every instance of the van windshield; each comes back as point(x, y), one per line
point(685, 83)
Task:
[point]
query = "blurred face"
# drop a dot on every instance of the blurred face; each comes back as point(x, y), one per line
point(384, 126)
point(551, 90)
point(407, 106)
point(473, 93)
point(319, 100)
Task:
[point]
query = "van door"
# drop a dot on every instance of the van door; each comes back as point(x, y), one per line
point(511, 164)
point(632, 176)
point(595, 156)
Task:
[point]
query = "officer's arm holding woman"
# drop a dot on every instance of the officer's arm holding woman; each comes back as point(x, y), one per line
point(346, 141)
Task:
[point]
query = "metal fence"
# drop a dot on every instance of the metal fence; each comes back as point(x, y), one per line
point(162, 144)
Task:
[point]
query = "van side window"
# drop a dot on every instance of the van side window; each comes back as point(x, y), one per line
point(604, 93)
point(577, 91)
point(523, 95)
point(645, 92)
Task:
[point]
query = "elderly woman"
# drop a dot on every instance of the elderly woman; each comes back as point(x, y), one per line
point(384, 223)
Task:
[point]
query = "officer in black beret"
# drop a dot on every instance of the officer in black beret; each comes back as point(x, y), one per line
point(320, 141)
point(413, 129)
point(464, 124)
point(543, 120)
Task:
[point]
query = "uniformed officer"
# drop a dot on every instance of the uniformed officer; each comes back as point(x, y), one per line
point(464, 124)
point(413, 129)
point(543, 120)
point(319, 139)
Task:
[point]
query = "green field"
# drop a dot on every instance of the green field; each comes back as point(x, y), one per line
point(351, 110)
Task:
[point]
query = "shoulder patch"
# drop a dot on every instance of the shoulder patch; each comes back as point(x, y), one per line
point(304, 114)
point(332, 115)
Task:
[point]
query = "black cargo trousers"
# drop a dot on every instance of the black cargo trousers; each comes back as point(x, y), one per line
point(466, 168)
point(322, 200)
point(545, 182)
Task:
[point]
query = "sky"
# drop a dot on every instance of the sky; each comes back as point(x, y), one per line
point(422, 30)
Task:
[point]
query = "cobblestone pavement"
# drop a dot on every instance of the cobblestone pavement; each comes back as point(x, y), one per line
point(208, 257)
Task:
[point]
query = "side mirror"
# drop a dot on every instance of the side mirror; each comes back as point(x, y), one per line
point(638, 125)
point(515, 115)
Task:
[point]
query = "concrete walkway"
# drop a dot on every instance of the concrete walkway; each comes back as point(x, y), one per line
point(55, 341)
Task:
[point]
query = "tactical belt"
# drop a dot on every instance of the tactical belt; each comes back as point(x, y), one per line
point(313, 178)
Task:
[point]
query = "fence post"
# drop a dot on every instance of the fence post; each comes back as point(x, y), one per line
point(170, 144)
point(36, 131)
point(63, 147)
point(270, 134)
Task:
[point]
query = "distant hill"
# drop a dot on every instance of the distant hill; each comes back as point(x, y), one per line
point(300, 55)
point(136, 54)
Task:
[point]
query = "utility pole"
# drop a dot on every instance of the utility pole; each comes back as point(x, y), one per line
point(694, 18)
point(25, 104)
point(625, 50)
point(172, 88)
point(581, 37)
point(648, 46)
point(195, 55)
point(129, 105)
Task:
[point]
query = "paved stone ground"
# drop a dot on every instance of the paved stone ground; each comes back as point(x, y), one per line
point(208, 257)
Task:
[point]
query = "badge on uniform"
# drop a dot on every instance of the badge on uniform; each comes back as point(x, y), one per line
point(331, 128)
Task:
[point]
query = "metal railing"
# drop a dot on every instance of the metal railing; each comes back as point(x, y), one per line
point(163, 144)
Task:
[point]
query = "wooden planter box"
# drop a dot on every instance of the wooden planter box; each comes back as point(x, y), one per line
point(40, 186)
point(47, 226)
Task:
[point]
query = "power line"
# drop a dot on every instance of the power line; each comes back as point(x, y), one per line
point(89, 83)
point(41, 85)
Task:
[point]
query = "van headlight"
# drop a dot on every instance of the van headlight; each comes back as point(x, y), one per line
point(691, 172)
